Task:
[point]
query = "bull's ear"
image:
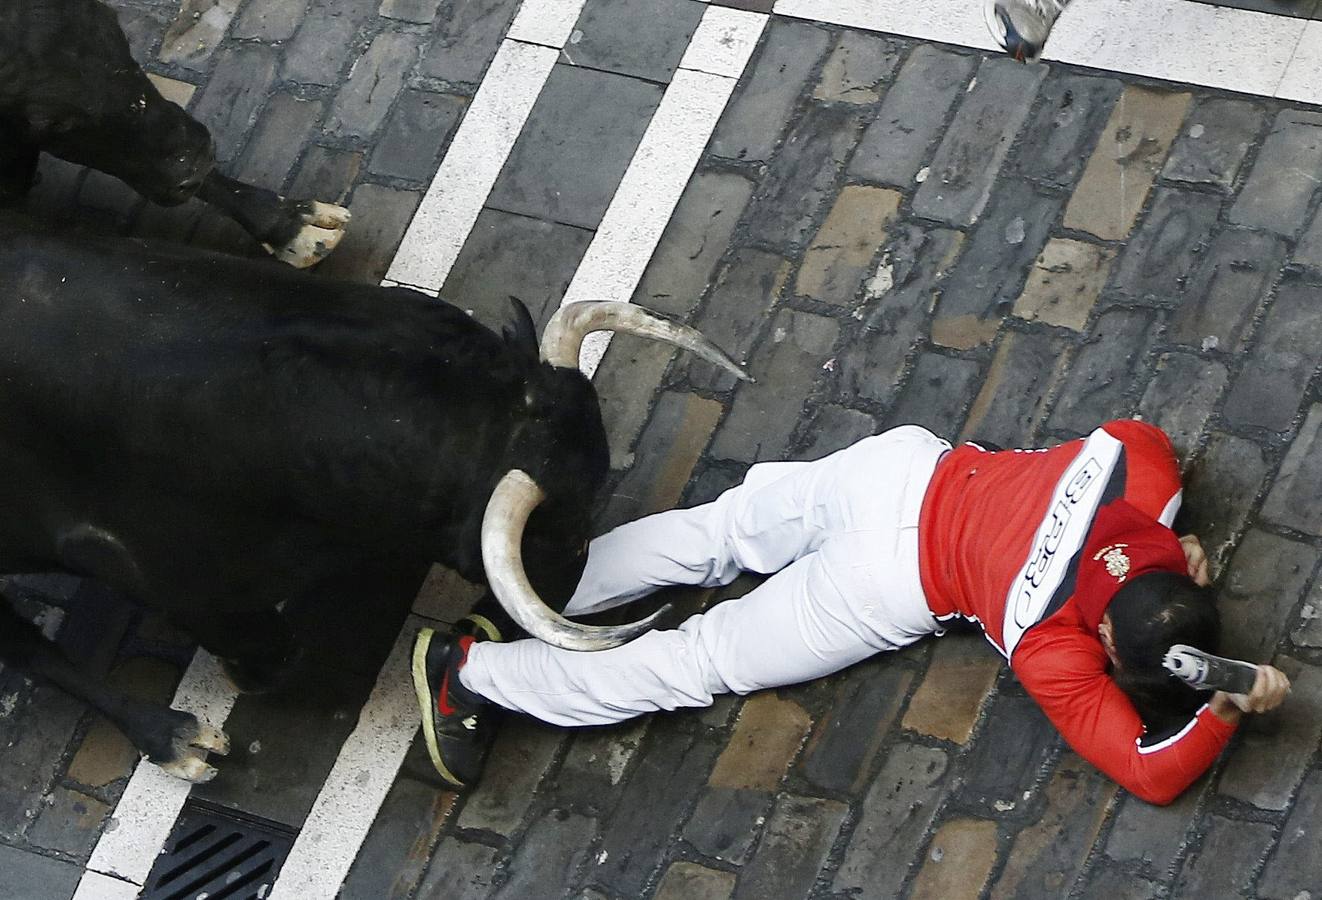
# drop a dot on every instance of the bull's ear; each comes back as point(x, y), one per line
point(520, 332)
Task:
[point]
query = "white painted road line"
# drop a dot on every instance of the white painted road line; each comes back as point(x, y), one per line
point(476, 155)
point(95, 886)
point(357, 785)
point(663, 164)
point(150, 804)
point(1176, 40)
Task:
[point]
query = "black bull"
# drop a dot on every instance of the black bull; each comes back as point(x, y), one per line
point(68, 86)
point(211, 436)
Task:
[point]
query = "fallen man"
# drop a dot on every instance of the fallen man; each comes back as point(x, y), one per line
point(1064, 557)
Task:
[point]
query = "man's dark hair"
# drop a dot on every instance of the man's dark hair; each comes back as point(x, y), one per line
point(1148, 615)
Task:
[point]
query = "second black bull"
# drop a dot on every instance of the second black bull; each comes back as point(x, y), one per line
point(69, 87)
point(212, 441)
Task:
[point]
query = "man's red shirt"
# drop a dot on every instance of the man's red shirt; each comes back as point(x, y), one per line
point(1032, 544)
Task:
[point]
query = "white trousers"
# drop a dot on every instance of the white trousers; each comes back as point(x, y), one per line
point(841, 536)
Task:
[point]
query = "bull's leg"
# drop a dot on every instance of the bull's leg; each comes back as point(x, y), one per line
point(255, 648)
point(168, 737)
point(300, 233)
point(18, 164)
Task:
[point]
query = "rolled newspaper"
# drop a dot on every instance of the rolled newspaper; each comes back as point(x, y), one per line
point(1210, 673)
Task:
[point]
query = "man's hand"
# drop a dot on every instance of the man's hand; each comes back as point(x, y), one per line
point(1196, 558)
point(1269, 691)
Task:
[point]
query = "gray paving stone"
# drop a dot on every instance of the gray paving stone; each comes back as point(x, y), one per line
point(278, 139)
point(195, 33)
point(939, 390)
point(983, 129)
point(1308, 252)
point(419, 130)
point(727, 821)
point(1007, 409)
point(1108, 883)
point(732, 317)
point(1056, 142)
point(596, 764)
point(522, 754)
point(900, 140)
point(1008, 757)
point(1152, 837)
point(637, 836)
point(1308, 633)
point(897, 303)
point(393, 857)
point(867, 698)
point(575, 146)
point(144, 28)
point(1228, 287)
point(1281, 186)
point(326, 41)
point(801, 180)
point(640, 38)
point(234, 94)
point(1275, 749)
point(1048, 856)
point(1293, 868)
point(35, 738)
point(695, 238)
point(754, 120)
point(1217, 135)
point(1225, 863)
point(857, 68)
point(1220, 489)
point(1166, 246)
point(364, 100)
point(514, 256)
point(762, 418)
point(466, 39)
point(326, 174)
point(1180, 398)
point(1267, 393)
point(894, 817)
point(268, 20)
point(459, 871)
point(1103, 370)
point(688, 881)
point(32, 877)
point(420, 11)
point(1294, 497)
point(548, 857)
point(799, 835)
point(989, 275)
point(835, 428)
point(380, 215)
point(1267, 578)
point(70, 822)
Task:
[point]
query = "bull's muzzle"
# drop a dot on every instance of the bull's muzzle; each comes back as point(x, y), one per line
point(517, 495)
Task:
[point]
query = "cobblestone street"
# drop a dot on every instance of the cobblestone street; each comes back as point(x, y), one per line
point(886, 230)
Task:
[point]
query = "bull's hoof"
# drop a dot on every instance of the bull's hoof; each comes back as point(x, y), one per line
point(190, 741)
point(322, 231)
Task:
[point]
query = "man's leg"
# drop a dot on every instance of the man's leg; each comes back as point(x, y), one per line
point(858, 594)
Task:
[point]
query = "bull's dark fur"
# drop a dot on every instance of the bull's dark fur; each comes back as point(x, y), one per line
point(69, 87)
point(212, 437)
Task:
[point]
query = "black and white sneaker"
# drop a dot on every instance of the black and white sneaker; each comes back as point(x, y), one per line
point(1021, 27)
point(457, 724)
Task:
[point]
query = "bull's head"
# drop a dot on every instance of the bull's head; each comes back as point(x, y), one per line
point(518, 494)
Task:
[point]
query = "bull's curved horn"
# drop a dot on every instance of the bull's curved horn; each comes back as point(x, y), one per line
point(572, 322)
point(514, 499)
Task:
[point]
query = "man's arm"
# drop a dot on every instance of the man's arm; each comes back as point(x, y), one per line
point(1269, 691)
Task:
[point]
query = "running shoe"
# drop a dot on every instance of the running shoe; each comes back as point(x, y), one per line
point(1021, 27)
point(457, 724)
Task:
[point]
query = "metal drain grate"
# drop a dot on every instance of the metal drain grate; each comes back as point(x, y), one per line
point(215, 854)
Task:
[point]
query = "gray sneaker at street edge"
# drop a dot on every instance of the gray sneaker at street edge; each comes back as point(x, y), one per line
point(1021, 26)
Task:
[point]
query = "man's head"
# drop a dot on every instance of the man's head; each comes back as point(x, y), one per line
point(1145, 617)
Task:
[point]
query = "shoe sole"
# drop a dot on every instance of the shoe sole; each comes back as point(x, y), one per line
point(425, 703)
